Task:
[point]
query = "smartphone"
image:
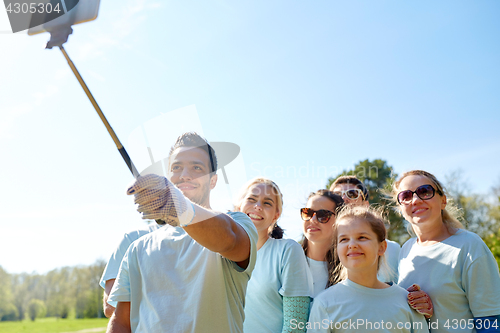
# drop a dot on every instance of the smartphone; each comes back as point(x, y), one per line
point(52, 15)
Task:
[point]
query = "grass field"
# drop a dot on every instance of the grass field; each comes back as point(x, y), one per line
point(53, 325)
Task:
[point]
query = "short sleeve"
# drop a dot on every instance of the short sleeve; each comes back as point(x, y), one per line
point(244, 221)
point(121, 289)
point(317, 317)
point(113, 265)
point(481, 282)
point(296, 279)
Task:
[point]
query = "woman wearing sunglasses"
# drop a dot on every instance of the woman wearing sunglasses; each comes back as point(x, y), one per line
point(278, 293)
point(319, 218)
point(454, 266)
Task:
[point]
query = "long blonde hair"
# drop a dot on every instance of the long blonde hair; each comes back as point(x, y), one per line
point(449, 214)
point(276, 231)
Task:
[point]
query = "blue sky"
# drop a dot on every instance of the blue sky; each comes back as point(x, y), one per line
point(300, 86)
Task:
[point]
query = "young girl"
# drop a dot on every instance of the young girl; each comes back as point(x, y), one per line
point(354, 192)
point(362, 303)
point(453, 265)
point(319, 218)
point(278, 293)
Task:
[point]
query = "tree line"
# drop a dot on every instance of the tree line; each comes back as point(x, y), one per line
point(63, 292)
point(75, 292)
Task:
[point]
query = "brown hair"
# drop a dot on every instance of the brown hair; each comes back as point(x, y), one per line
point(351, 180)
point(449, 215)
point(276, 231)
point(373, 218)
point(193, 139)
point(331, 261)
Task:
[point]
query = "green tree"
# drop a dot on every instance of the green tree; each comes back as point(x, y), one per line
point(493, 239)
point(60, 299)
point(96, 292)
point(378, 175)
point(88, 293)
point(493, 242)
point(494, 212)
point(62, 291)
point(21, 293)
point(8, 310)
point(36, 309)
point(477, 214)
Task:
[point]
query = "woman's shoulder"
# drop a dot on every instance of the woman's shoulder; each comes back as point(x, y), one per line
point(466, 235)
point(398, 289)
point(330, 294)
point(409, 243)
point(468, 242)
point(285, 243)
point(285, 247)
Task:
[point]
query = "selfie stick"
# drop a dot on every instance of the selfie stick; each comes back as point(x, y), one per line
point(58, 38)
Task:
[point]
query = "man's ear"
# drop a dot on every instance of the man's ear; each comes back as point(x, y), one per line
point(213, 181)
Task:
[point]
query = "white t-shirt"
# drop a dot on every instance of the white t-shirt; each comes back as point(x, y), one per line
point(460, 275)
point(319, 272)
point(390, 273)
point(113, 265)
point(350, 307)
point(281, 270)
point(319, 269)
point(174, 284)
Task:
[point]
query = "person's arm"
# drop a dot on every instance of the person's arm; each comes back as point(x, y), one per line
point(108, 309)
point(220, 233)
point(158, 198)
point(482, 286)
point(295, 314)
point(120, 321)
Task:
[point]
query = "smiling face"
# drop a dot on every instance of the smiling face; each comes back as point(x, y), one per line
point(358, 246)
point(422, 213)
point(261, 204)
point(314, 231)
point(190, 172)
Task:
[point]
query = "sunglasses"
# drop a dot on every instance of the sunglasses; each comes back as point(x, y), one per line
point(322, 215)
point(424, 192)
point(351, 194)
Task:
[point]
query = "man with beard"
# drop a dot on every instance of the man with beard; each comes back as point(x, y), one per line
point(191, 275)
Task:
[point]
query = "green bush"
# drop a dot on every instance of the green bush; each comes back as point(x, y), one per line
point(493, 242)
point(36, 309)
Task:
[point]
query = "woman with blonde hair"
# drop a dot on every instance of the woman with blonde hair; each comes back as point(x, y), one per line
point(278, 293)
point(454, 266)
